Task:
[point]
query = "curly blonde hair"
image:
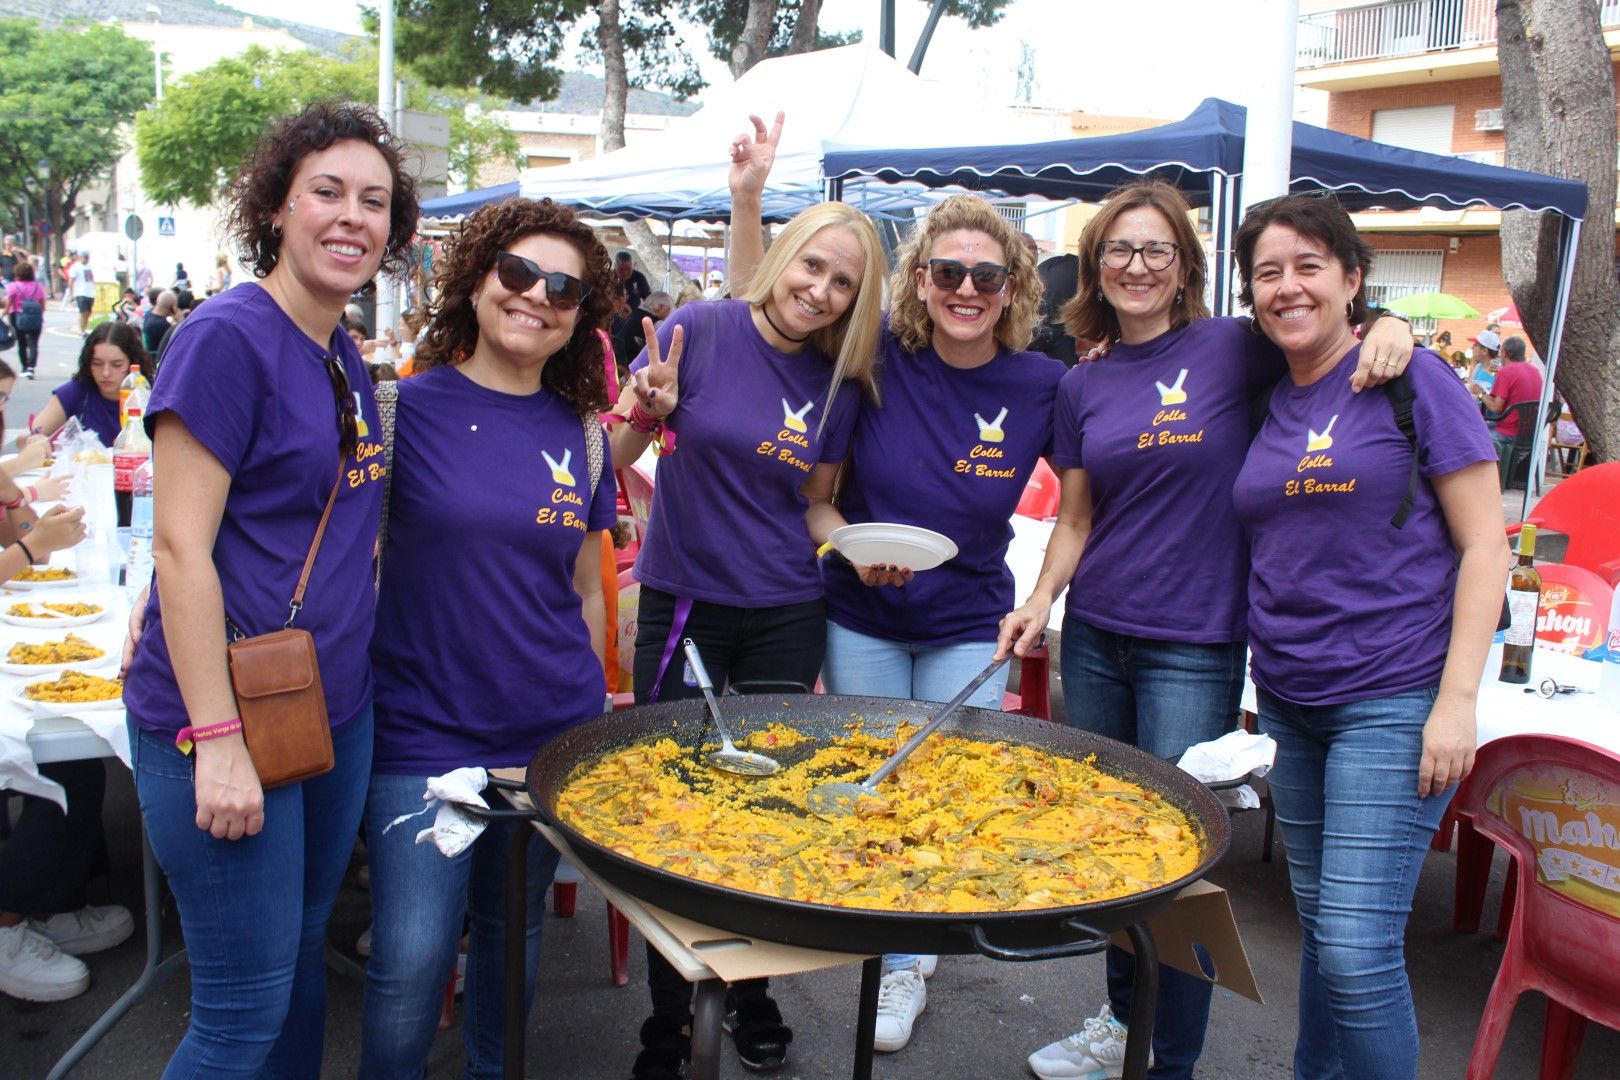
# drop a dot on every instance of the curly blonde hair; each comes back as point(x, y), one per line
point(575, 373)
point(1087, 316)
point(908, 315)
point(851, 342)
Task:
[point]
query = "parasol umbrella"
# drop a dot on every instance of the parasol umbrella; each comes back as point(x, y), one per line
point(1431, 305)
point(1509, 314)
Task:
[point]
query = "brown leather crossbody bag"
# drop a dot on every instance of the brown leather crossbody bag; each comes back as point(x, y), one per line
point(277, 682)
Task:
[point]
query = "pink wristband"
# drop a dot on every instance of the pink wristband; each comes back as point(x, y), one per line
point(190, 736)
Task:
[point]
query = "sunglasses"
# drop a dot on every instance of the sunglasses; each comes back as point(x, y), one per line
point(1117, 254)
point(348, 419)
point(948, 274)
point(517, 274)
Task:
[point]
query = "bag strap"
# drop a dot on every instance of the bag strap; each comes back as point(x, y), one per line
point(387, 402)
point(1401, 396)
point(594, 453)
point(297, 603)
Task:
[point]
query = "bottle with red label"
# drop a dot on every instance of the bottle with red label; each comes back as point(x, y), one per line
point(132, 382)
point(131, 449)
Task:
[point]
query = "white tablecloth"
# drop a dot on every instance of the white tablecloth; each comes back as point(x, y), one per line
point(27, 737)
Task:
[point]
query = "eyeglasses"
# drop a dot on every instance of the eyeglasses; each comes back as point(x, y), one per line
point(563, 291)
point(1117, 254)
point(988, 278)
point(347, 416)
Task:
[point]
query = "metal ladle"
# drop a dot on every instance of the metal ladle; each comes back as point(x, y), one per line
point(728, 757)
point(839, 799)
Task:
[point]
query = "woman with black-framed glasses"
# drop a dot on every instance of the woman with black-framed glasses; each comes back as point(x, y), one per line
point(263, 412)
point(496, 511)
point(1148, 440)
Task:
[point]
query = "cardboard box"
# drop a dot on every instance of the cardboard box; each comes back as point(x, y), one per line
point(1202, 915)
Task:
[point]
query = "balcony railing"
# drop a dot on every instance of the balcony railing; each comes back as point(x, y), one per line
point(1405, 28)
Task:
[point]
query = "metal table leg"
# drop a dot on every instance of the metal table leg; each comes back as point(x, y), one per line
point(866, 1018)
point(1144, 1000)
point(517, 921)
point(708, 1010)
point(151, 977)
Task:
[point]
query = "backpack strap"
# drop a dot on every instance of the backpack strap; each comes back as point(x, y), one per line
point(387, 394)
point(1401, 398)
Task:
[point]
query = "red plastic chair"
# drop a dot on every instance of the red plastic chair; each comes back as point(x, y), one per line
point(1041, 494)
point(1586, 508)
point(1537, 796)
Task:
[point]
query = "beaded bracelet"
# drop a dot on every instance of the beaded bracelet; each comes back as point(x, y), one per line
point(190, 736)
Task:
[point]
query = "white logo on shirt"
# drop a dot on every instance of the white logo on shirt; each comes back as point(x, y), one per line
point(991, 431)
point(559, 469)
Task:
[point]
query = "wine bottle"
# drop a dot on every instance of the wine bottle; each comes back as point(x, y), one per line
point(1524, 600)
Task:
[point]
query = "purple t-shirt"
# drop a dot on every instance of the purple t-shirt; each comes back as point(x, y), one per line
point(727, 521)
point(950, 450)
point(1343, 605)
point(481, 651)
point(94, 411)
point(253, 389)
point(1161, 429)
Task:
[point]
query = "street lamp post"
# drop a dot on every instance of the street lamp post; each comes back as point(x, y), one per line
point(157, 49)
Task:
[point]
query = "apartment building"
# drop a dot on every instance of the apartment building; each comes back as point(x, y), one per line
point(1422, 74)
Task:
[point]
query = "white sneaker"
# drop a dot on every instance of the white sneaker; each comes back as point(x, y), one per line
point(902, 996)
point(34, 969)
point(88, 930)
point(1095, 1052)
point(927, 965)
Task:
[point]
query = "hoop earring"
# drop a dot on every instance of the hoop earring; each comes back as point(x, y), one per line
point(275, 231)
point(1350, 312)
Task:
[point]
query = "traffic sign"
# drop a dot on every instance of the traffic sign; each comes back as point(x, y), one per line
point(134, 227)
point(165, 226)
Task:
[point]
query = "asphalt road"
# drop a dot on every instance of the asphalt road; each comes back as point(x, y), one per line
point(983, 1017)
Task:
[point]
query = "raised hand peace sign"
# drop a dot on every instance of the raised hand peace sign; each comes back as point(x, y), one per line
point(752, 158)
point(657, 386)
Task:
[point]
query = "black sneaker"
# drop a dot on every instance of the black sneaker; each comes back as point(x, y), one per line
point(666, 1050)
point(757, 1030)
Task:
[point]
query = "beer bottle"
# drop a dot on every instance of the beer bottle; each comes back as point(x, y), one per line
point(1524, 599)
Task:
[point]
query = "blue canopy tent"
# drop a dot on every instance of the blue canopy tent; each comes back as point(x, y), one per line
point(451, 206)
point(1203, 156)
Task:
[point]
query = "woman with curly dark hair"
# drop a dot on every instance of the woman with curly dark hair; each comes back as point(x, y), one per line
point(263, 420)
point(501, 491)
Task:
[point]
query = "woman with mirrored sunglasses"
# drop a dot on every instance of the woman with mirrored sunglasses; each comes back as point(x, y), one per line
point(495, 523)
point(761, 393)
point(1148, 441)
point(263, 411)
point(964, 415)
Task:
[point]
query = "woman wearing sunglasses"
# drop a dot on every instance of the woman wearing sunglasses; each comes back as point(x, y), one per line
point(263, 411)
point(965, 414)
point(493, 516)
point(769, 387)
point(1148, 442)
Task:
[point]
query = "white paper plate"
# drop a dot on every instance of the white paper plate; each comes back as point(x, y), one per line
point(905, 546)
point(19, 694)
point(59, 622)
point(73, 582)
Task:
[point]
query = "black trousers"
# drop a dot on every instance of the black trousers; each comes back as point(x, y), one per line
point(27, 346)
point(738, 645)
point(47, 865)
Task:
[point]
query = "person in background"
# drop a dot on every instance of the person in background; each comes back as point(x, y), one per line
point(261, 412)
point(185, 302)
point(47, 864)
point(82, 286)
point(509, 379)
point(632, 282)
point(717, 285)
point(9, 258)
point(220, 279)
point(25, 308)
point(805, 334)
point(1484, 351)
point(182, 280)
point(1060, 277)
point(658, 306)
point(143, 279)
point(1517, 381)
point(1459, 364)
point(157, 322)
point(1367, 681)
point(1147, 442)
point(91, 395)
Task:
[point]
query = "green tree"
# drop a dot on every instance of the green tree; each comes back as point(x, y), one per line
point(192, 144)
point(65, 97)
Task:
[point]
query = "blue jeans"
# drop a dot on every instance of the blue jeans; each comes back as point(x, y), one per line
point(1161, 696)
point(254, 911)
point(876, 667)
point(1345, 787)
point(417, 900)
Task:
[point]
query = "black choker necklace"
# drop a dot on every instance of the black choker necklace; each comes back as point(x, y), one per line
point(765, 310)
